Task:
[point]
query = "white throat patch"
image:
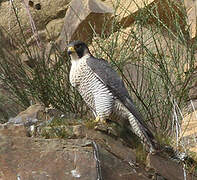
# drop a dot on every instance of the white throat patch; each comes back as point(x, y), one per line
point(75, 59)
point(75, 67)
point(74, 56)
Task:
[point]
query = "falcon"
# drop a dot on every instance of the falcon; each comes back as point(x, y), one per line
point(104, 91)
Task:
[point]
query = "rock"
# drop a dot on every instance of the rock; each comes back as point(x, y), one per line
point(158, 177)
point(189, 129)
point(191, 10)
point(5, 42)
point(8, 106)
point(79, 18)
point(78, 131)
point(48, 11)
point(120, 45)
point(167, 168)
point(126, 7)
point(29, 116)
point(119, 170)
point(167, 11)
point(13, 130)
point(54, 28)
point(28, 158)
point(35, 158)
point(126, 10)
point(127, 41)
point(49, 15)
point(96, 155)
point(191, 106)
point(51, 32)
point(193, 90)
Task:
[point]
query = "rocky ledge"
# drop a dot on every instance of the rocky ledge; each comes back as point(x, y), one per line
point(84, 154)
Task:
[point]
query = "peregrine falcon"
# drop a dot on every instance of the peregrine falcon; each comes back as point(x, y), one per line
point(104, 91)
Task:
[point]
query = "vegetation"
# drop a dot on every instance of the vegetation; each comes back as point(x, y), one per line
point(154, 58)
point(155, 62)
point(7, 112)
point(45, 80)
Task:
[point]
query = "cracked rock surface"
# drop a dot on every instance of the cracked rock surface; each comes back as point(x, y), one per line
point(91, 155)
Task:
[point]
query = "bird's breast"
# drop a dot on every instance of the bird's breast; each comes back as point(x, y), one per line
point(75, 72)
point(79, 72)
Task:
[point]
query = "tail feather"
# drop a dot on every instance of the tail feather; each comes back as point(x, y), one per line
point(128, 110)
point(142, 132)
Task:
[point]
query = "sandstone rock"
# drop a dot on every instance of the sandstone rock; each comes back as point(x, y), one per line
point(28, 158)
point(54, 28)
point(51, 32)
point(49, 10)
point(126, 10)
point(190, 122)
point(97, 155)
point(79, 18)
point(5, 42)
point(78, 131)
point(8, 107)
point(137, 42)
point(191, 10)
point(191, 106)
point(169, 12)
point(13, 130)
point(189, 131)
point(168, 169)
point(118, 43)
point(34, 158)
point(193, 90)
point(29, 116)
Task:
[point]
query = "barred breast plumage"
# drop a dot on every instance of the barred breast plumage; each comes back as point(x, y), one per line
point(97, 96)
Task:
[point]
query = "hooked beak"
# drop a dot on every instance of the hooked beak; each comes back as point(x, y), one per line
point(71, 50)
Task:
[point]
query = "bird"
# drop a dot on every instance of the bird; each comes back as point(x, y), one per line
point(104, 91)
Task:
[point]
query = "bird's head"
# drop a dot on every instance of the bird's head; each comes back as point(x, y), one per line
point(77, 49)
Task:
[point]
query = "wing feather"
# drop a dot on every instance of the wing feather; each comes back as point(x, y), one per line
point(112, 80)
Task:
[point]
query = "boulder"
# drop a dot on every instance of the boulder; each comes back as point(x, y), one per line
point(193, 90)
point(126, 10)
point(8, 106)
point(18, 130)
point(169, 169)
point(39, 12)
point(27, 158)
point(89, 154)
point(80, 20)
point(29, 116)
point(189, 131)
point(191, 10)
point(37, 158)
point(54, 28)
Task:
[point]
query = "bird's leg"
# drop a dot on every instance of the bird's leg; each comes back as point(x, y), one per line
point(98, 119)
point(100, 124)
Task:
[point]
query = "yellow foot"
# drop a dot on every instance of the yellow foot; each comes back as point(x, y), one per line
point(98, 119)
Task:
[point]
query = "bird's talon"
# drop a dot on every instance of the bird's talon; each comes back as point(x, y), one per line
point(103, 121)
point(97, 119)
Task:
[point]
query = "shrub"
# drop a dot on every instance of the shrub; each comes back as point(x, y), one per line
point(153, 57)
